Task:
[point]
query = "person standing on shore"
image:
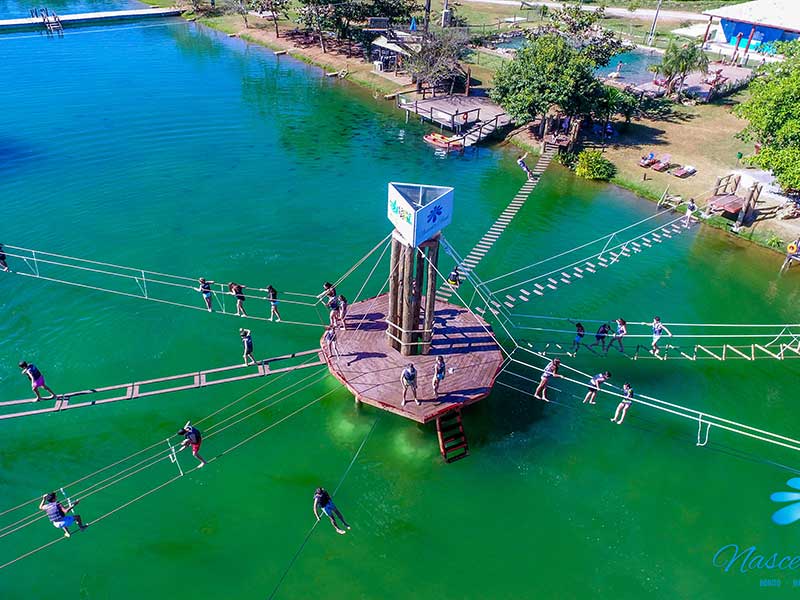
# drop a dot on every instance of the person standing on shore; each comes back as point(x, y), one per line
point(205, 291)
point(594, 386)
point(551, 370)
point(193, 438)
point(37, 380)
point(408, 379)
point(58, 514)
point(247, 342)
point(324, 502)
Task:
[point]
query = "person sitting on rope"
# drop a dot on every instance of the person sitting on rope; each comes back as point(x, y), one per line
point(193, 438)
point(624, 405)
point(342, 311)
point(324, 502)
point(551, 370)
point(621, 332)
point(247, 342)
point(454, 278)
point(58, 514)
point(600, 336)
point(237, 290)
point(658, 330)
point(408, 378)
point(205, 290)
point(37, 380)
point(594, 386)
point(3, 263)
point(690, 210)
point(330, 340)
point(524, 167)
point(579, 333)
point(439, 371)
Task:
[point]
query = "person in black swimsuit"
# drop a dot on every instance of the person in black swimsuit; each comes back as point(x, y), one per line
point(3, 264)
point(237, 290)
point(247, 342)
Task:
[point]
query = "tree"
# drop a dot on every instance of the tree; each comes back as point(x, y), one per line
point(241, 8)
point(773, 115)
point(593, 165)
point(437, 60)
point(582, 29)
point(611, 101)
point(317, 15)
point(275, 7)
point(397, 11)
point(680, 60)
point(548, 71)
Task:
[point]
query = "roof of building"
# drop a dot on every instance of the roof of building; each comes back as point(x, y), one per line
point(780, 14)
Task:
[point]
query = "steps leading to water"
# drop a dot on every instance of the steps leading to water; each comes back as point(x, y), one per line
point(452, 439)
point(94, 17)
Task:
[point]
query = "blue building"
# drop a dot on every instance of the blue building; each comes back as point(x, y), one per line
point(757, 25)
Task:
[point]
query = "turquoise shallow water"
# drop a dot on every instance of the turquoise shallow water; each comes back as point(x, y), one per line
point(14, 9)
point(176, 149)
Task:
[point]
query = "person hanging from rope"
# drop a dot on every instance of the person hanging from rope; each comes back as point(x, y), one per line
point(579, 333)
point(237, 290)
point(624, 405)
point(594, 386)
point(621, 332)
point(58, 514)
point(454, 279)
point(690, 210)
point(272, 296)
point(330, 341)
point(193, 438)
point(342, 311)
point(37, 380)
point(324, 502)
point(408, 378)
point(524, 167)
point(600, 336)
point(247, 342)
point(551, 370)
point(3, 263)
point(658, 330)
point(205, 291)
point(439, 371)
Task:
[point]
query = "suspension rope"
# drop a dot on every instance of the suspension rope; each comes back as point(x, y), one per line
point(576, 319)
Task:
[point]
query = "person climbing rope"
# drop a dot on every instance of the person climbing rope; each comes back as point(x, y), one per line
point(237, 290)
point(594, 386)
point(205, 291)
point(600, 336)
point(324, 502)
point(58, 514)
point(621, 332)
point(624, 405)
point(524, 167)
point(658, 330)
point(408, 378)
point(551, 370)
point(193, 438)
point(272, 296)
point(579, 333)
point(37, 380)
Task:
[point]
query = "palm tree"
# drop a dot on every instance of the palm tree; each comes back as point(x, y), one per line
point(680, 60)
point(654, 69)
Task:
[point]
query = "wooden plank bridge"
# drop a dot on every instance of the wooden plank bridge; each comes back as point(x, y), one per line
point(35, 22)
point(165, 385)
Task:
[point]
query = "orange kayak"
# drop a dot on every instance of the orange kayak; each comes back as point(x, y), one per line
point(442, 141)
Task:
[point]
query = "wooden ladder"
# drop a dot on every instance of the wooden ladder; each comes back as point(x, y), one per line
point(452, 439)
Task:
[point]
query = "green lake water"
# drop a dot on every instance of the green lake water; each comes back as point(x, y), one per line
point(175, 149)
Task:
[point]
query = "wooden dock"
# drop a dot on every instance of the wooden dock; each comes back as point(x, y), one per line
point(164, 385)
point(371, 369)
point(92, 18)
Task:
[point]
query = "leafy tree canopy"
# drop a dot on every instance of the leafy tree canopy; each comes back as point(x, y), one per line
point(584, 31)
point(438, 57)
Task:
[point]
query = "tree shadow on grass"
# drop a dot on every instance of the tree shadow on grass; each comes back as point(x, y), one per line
point(661, 109)
point(637, 134)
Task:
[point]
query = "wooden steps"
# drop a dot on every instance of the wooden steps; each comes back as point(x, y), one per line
point(452, 439)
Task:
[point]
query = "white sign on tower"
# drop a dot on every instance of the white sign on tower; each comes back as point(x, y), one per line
point(418, 212)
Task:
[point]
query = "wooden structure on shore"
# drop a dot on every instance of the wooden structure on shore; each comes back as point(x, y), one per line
point(94, 18)
point(409, 325)
point(732, 203)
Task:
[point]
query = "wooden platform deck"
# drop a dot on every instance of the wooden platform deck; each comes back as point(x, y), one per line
point(94, 17)
point(727, 203)
point(371, 369)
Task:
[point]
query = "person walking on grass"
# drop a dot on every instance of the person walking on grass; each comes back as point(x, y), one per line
point(524, 167)
point(3, 263)
point(192, 437)
point(37, 380)
point(658, 330)
point(324, 502)
point(205, 290)
point(58, 515)
point(342, 311)
point(408, 378)
point(579, 333)
point(624, 405)
point(272, 296)
point(621, 332)
point(439, 371)
point(247, 342)
point(330, 341)
point(551, 370)
point(237, 291)
point(594, 386)
point(600, 336)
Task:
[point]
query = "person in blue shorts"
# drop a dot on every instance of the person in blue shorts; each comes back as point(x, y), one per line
point(600, 336)
point(324, 502)
point(438, 374)
point(272, 296)
point(579, 333)
point(247, 343)
point(205, 291)
point(58, 514)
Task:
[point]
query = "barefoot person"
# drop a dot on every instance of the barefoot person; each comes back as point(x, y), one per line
point(324, 502)
point(551, 370)
point(58, 514)
point(624, 405)
point(3, 263)
point(439, 370)
point(205, 290)
point(193, 438)
point(524, 167)
point(247, 342)
point(330, 341)
point(594, 386)
point(408, 378)
point(272, 296)
point(579, 333)
point(600, 336)
point(237, 291)
point(690, 210)
point(37, 380)
point(342, 310)
point(333, 306)
point(621, 332)
point(658, 330)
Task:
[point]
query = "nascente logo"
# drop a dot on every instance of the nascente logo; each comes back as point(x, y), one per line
point(791, 513)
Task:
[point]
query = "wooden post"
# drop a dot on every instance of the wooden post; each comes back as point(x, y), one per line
point(708, 30)
point(736, 51)
point(394, 268)
point(407, 300)
point(430, 298)
point(417, 297)
point(749, 39)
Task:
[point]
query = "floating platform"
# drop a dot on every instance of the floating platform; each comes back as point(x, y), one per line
point(371, 369)
point(92, 18)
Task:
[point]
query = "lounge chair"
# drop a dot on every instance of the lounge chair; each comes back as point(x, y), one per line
point(648, 160)
point(663, 163)
point(685, 172)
